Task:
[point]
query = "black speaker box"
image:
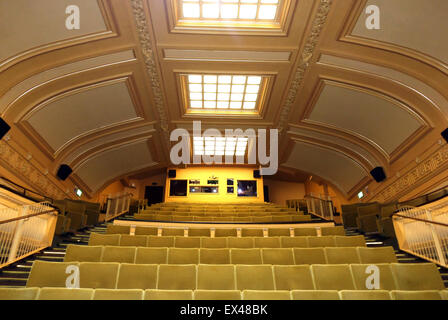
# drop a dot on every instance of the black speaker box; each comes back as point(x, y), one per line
point(257, 174)
point(444, 134)
point(171, 173)
point(378, 174)
point(4, 128)
point(64, 171)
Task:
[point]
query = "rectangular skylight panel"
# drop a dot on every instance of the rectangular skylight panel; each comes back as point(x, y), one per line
point(223, 91)
point(233, 10)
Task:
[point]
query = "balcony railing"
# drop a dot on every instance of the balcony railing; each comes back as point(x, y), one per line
point(117, 205)
point(25, 230)
point(423, 231)
point(320, 205)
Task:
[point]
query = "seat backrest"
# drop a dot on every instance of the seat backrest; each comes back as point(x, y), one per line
point(294, 242)
point(183, 256)
point(377, 255)
point(101, 275)
point(173, 232)
point(123, 294)
point(65, 294)
point(146, 231)
point(309, 256)
point(151, 256)
point(216, 243)
point(83, 253)
point(221, 232)
point(133, 241)
point(254, 277)
point(119, 254)
point(168, 295)
point(350, 241)
point(268, 242)
point(187, 242)
point(214, 256)
point(98, 239)
point(48, 274)
point(417, 276)
point(245, 256)
point(245, 232)
point(177, 277)
point(364, 295)
point(315, 295)
point(217, 295)
point(154, 241)
point(233, 242)
point(116, 229)
point(283, 256)
point(137, 276)
point(342, 255)
point(199, 232)
point(362, 276)
point(321, 242)
point(216, 277)
point(332, 277)
point(293, 277)
point(279, 232)
point(368, 210)
point(300, 232)
point(333, 231)
point(266, 295)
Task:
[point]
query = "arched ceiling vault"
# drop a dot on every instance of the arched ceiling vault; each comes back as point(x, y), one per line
point(345, 99)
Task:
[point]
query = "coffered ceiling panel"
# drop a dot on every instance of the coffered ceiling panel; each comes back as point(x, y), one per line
point(26, 24)
point(83, 111)
point(381, 120)
point(110, 164)
point(412, 24)
point(333, 166)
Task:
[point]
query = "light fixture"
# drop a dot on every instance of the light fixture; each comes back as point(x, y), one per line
point(360, 195)
point(223, 92)
point(220, 146)
point(230, 10)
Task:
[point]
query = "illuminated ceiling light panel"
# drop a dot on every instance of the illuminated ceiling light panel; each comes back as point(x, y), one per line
point(220, 146)
point(230, 10)
point(223, 92)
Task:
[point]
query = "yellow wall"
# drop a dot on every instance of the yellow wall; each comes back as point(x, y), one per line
point(280, 191)
point(222, 173)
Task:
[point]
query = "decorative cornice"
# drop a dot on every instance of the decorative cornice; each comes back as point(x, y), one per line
point(415, 177)
point(13, 161)
point(305, 58)
point(150, 62)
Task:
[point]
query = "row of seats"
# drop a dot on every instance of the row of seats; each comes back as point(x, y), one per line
point(107, 275)
point(214, 218)
point(151, 294)
point(221, 232)
point(97, 239)
point(376, 217)
point(277, 256)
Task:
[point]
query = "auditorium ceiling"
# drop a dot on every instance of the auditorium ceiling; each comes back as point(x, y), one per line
point(104, 98)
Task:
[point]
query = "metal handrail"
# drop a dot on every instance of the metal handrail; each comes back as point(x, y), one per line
point(28, 216)
point(421, 220)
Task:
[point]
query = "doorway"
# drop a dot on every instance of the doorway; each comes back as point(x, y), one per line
point(154, 194)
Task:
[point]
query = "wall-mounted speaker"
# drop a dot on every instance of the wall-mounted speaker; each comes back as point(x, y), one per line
point(4, 128)
point(257, 174)
point(378, 174)
point(444, 134)
point(171, 173)
point(64, 171)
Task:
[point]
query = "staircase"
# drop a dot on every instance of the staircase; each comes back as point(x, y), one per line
point(16, 275)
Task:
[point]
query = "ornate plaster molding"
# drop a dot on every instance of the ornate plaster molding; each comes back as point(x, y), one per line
point(305, 58)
